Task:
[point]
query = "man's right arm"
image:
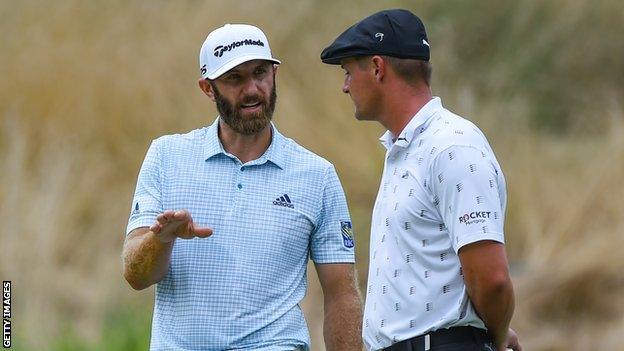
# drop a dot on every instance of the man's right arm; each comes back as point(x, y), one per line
point(145, 258)
point(147, 251)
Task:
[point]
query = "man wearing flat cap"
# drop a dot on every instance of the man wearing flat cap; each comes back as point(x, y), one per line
point(225, 217)
point(438, 274)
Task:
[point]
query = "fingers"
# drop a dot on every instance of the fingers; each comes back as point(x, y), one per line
point(168, 214)
point(178, 223)
point(513, 342)
point(161, 221)
point(155, 228)
point(164, 218)
point(181, 215)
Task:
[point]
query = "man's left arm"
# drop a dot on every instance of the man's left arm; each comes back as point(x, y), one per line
point(470, 194)
point(484, 265)
point(342, 328)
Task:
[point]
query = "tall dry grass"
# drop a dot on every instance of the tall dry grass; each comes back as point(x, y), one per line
point(86, 85)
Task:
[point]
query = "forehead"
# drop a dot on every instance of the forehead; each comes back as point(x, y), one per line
point(348, 62)
point(249, 66)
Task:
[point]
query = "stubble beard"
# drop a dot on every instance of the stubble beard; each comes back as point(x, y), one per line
point(359, 115)
point(251, 123)
point(366, 112)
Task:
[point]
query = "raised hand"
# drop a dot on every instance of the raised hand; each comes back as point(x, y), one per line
point(173, 224)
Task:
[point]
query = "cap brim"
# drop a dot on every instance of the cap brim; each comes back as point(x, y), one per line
point(333, 56)
point(237, 61)
point(336, 60)
point(332, 60)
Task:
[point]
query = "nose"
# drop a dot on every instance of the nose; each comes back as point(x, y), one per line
point(250, 87)
point(345, 85)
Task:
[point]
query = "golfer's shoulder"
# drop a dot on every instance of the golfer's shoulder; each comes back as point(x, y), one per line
point(300, 157)
point(181, 142)
point(448, 129)
point(192, 138)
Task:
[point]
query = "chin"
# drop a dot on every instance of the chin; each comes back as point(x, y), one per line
point(362, 117)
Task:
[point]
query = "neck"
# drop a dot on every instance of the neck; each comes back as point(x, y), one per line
point(402, 103)
point(245, 147)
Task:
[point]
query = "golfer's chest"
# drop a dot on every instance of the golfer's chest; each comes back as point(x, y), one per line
point(405, 191)
point(260, 204)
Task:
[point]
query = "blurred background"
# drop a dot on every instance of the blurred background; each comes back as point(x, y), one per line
point(86, 85)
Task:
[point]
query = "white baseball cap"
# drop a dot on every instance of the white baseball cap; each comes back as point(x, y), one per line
point(231, 45)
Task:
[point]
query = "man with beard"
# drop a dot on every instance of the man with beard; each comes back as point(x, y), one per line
point(224, 218)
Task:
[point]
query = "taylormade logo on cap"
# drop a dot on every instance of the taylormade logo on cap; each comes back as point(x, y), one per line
point(230, 46)
point(219, 50)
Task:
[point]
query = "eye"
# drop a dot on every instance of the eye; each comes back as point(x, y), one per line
point(232, 77)
point(260, 71)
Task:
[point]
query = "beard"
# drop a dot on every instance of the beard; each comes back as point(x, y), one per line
point(251, 123)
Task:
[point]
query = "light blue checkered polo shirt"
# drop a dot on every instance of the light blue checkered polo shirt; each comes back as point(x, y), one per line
point(240, 288)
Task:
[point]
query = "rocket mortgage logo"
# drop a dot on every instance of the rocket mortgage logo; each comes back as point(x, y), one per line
point(474, 217)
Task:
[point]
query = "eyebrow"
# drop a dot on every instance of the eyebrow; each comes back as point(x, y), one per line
point(259, 65)
point(263, 65)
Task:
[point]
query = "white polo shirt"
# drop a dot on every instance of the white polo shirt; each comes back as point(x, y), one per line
point(442, 188)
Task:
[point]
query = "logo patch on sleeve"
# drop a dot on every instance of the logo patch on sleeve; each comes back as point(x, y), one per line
point(136, 209)
point(347, 234)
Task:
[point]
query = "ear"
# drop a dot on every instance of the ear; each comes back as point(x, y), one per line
point(379, 66)
point(275, 69)
point(205, 86)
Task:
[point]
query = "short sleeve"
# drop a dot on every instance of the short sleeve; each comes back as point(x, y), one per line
point(147, 201)
point(468, 187)
point(332, 240)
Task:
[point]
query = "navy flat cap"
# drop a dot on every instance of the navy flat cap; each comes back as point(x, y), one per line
point(397, 33)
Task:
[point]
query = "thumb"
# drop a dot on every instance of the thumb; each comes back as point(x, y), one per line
point(202, 232)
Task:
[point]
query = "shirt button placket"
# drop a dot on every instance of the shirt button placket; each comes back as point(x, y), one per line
point(239, 186)
point(239, 176)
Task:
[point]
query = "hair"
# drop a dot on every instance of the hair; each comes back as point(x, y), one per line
point(411, 71)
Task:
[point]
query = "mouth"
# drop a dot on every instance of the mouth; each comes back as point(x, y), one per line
point(251, 107)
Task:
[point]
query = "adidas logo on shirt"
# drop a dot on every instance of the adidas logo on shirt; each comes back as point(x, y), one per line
point(283, 200)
